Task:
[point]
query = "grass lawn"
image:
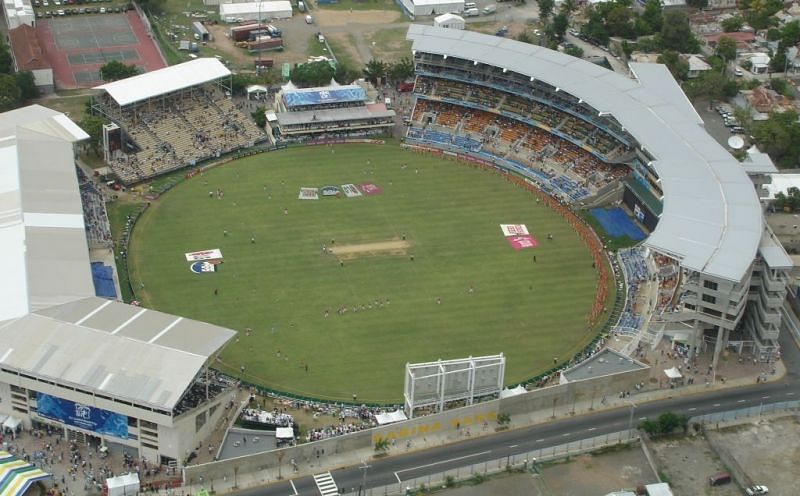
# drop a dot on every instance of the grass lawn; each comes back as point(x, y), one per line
point(282, 285)
point(389, 45)
point(359, 5)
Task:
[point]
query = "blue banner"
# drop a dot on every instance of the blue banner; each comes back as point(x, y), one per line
point(345, 94)
point(83, 416)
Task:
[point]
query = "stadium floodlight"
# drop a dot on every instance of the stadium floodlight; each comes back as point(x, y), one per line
point(533, 79)
point(604, 114)
point(445, 56)
point(558, 89)
point(505, 70)
point(580, 100)
point(474, 62)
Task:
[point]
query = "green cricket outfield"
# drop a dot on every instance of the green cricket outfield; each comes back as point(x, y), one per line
point(419, 271)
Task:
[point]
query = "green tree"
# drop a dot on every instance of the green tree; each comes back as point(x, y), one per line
point(526, 37)
point(155, 6)
point(345, 74)
point(401, 70)
point(653, 16)
point(619, 22)
point(726, 49)
point(779, 136)
point(260, 117)
point(313, 74)
point(9, 92)
point(732, 24)
point(240, 81)
point(116, 70)
point(27, 85)
point(559, 26)
point(546, 9)
point(675, 33)
point(93, 125)
point(669, 422)
point(382, 445)
point(375, 70)
point(6, 62)
point(574, 50)
point(676, 66)
point(758, 13)
point(782, 86)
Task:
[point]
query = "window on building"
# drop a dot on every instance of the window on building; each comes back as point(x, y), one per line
point(710, 285)
point(709, 299)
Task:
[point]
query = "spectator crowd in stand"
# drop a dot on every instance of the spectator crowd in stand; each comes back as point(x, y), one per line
point(178, 130)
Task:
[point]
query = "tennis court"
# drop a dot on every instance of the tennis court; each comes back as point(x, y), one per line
point(79, 46)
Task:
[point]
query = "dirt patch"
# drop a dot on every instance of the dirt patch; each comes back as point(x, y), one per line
point(687, 464)
point(333, 18)
point(767, 452)
point(349, 252)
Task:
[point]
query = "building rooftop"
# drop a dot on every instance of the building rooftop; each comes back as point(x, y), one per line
point(605, 362)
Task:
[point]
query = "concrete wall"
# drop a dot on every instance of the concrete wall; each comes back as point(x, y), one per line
point(448, 423)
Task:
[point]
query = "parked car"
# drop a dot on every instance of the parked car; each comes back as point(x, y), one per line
point(738, 72)
point(719, 479)
point(757, 490)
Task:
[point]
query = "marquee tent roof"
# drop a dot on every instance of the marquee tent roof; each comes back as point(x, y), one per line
point(177, 77)
point(17, 475)
point(711, 219)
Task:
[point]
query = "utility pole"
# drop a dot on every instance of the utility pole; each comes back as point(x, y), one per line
point(364, 466)
point(630, 419)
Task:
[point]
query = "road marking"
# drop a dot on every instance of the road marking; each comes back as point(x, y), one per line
point(445, 461)
point(293, 488)
point(642, 418)
point(565, 434)
point(765, 397)
point(325, 484)
point(592, 429)
point(513, 446)
point(789, 394)
point(741, 401)
point(539, 440)
point(692, 409)
point(398, 478)
point(716, 404)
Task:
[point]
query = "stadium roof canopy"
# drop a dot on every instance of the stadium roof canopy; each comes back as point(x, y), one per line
point(321, 96)
point(711, 219)
point(51, 324)
point(163, 81)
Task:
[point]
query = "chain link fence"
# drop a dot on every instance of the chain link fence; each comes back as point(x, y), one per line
point(749, 412)
point(478, 471)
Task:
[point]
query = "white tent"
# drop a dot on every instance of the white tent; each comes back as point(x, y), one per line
point(256, 91)
point(12, 424)
point(253, 11)
point(673, 373)
point(284, 433)
point(123, 485)
point(432, 7)
point(450, 21)
point(507, 393)
point(390, 417)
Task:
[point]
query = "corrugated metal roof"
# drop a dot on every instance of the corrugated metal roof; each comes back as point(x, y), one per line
point(177, 77)
point(712, 218)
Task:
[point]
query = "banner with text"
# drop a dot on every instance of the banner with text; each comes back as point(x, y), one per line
point(82, 416)
point(197, 256)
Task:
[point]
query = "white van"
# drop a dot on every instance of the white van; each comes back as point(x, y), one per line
point(470, 5)
point(472, 13)
point(489, 9)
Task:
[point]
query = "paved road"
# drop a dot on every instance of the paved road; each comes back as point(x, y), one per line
point(405, 467)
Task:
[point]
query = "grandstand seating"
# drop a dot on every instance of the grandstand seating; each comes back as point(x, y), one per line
point(528, 147)
point(181, 130)
point(95, 217)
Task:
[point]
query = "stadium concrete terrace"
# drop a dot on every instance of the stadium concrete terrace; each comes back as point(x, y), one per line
point(52, 327)
point(711, 220)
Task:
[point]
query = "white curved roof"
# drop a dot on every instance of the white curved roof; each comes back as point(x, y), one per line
point(173, 78)
point(712, 218)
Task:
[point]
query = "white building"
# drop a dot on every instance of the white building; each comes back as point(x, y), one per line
point(254, 11)
point(416, 8)
point(450, 21)
point(101, 371)
point(18, 12)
